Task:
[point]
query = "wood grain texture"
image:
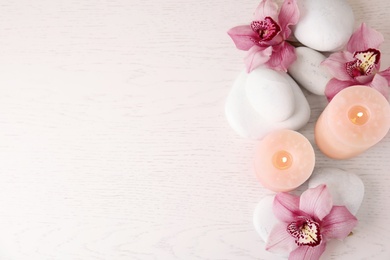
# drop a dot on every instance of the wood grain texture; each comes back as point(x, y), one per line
point(113, 141)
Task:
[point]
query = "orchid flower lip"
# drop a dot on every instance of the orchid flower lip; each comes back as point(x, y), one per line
point(364, 63)
point(266, 29)
point(306, 232)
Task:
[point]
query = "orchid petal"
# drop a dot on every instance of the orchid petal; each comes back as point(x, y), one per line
point(282, 57)
point(317, 202)
point(279, 240)
point(335, 64)
point(364, 79)
point(338, 223)
point(257, 56)
point(266, 8)
point(334, 86)
point(385, 74)
point(307, 252)
point(286, 207)
point(380, 84)
point(288, 15)
point(364, 38)
point(243, 37)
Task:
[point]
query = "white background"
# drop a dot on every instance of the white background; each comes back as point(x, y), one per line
point(113, 141)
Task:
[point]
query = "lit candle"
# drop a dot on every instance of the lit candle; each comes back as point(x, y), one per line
point(357, 118)
point(284, 160)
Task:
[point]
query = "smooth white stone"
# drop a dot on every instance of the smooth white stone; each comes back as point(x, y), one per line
point(347, 189)
point(324, 25)
point(264, 218)
point(266, 91)
point(247, 122)
point(308, 72)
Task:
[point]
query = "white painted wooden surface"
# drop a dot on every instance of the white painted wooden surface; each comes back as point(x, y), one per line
point(113, 141)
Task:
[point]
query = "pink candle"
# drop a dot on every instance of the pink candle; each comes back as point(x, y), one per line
point(357, 118)
point(284, 160)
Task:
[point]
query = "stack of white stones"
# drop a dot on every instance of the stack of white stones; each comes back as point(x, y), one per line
point(265, 100)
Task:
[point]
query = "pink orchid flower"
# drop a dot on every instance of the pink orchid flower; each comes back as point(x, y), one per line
point(359, 64)
point(265, 38)
point(307, 223)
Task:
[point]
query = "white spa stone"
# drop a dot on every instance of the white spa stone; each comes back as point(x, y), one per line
point(324, 25)
point(264, 218)
point(248, 119)
point(263, 87)
point(346, 188)
point(308, 72)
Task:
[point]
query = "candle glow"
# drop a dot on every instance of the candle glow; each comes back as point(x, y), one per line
point(284, 160)
point(357, 118)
